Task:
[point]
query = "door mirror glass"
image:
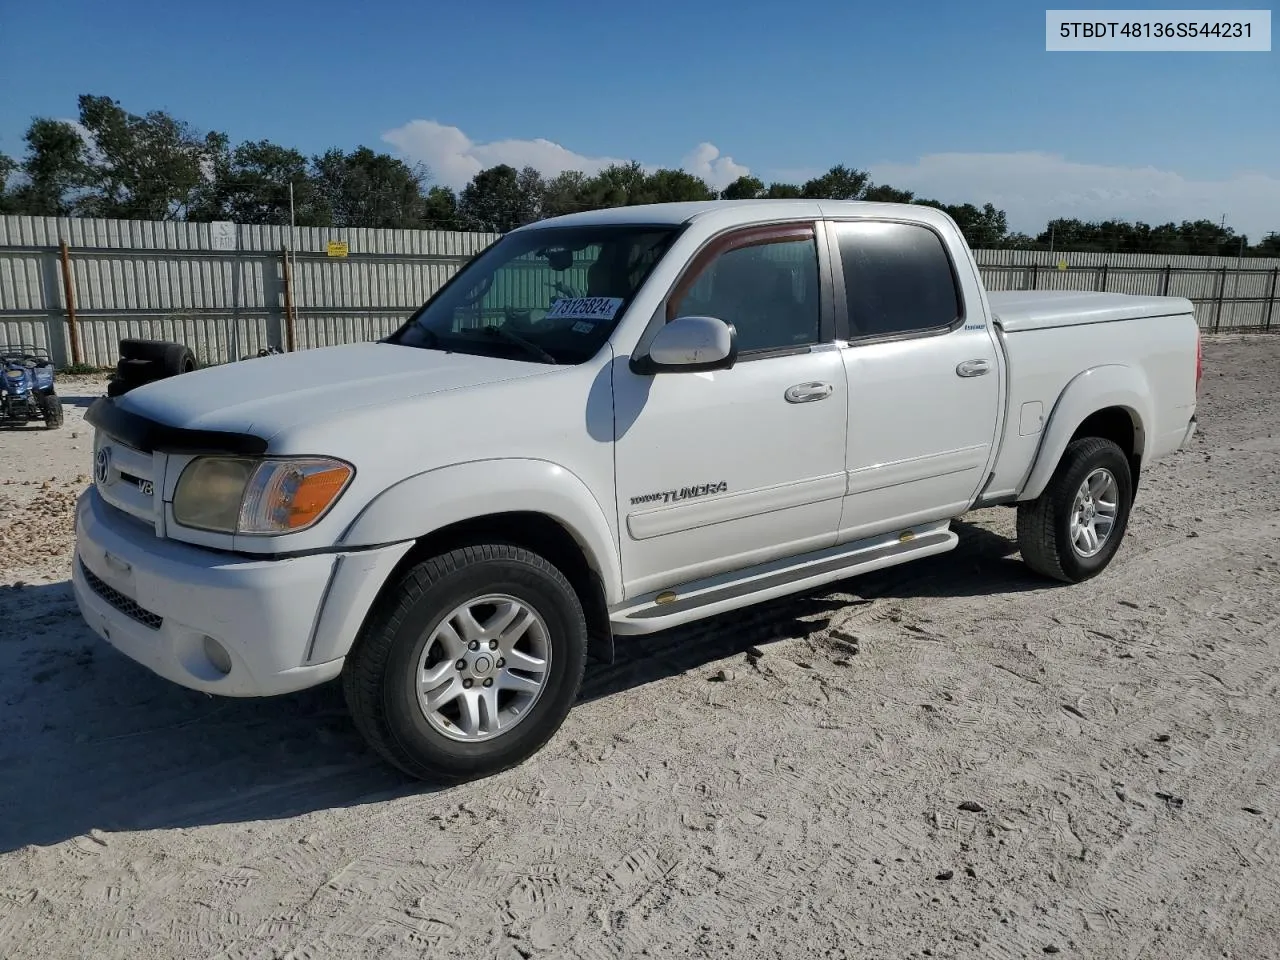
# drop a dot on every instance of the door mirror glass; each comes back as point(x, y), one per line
point(692, 344)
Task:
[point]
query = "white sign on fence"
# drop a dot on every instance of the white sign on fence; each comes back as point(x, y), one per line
point(222, 234)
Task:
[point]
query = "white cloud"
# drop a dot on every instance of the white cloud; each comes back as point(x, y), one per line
point(718, 171)
point(454, 158)
point(1030, 187)
point(1033, 188)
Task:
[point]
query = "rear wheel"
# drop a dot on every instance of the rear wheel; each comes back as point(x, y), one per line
point(469, 664)
point(1073, 529)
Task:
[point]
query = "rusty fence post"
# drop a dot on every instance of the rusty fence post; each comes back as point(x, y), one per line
point(1035, 276)
point(1105, 268)
point(1222, 286)
point(288, 303)
point(1168, 269)
point(1271, 297)
point(69, 300)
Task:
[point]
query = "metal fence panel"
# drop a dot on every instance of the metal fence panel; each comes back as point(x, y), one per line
point(183, 281)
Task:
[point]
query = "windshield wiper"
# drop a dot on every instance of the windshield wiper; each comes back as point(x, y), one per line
point(519, 341)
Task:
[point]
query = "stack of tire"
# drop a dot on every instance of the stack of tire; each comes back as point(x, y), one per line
point(145, 361)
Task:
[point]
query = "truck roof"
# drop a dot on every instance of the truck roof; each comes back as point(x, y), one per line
point(732, 212)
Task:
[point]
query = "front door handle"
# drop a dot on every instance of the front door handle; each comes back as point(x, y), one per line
point(808, 392)
point(972, 368)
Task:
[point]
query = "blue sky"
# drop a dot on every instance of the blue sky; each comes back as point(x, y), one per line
point(960, 101)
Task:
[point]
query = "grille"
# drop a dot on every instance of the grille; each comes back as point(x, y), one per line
point(124, 479)
point(120, 601)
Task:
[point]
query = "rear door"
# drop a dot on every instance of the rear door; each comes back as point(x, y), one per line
point(925, 381)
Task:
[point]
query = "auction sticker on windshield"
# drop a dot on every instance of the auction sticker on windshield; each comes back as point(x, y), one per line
point(594, 309)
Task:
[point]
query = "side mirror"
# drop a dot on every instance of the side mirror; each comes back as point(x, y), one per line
point(690, 344)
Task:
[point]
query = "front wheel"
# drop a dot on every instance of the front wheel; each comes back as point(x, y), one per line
point(1073, 529)
point(469, 664)
point(51, 410)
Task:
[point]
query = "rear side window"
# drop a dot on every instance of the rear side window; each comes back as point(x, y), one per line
point(897, 279)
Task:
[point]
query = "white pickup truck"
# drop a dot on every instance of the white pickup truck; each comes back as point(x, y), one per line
point(607, 424)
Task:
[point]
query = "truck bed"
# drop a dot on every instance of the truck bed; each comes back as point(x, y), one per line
point(1019, 310)
point(1148, 341)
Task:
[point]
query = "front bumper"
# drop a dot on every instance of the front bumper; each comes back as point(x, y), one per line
point(159, 602)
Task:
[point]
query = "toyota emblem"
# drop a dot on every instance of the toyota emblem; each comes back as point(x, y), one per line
point(101, 463)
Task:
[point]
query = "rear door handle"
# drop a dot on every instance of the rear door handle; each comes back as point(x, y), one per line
point(808, 392)
point(972, 368)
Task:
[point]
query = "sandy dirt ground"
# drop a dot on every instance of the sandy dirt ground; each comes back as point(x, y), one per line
point(948, 759)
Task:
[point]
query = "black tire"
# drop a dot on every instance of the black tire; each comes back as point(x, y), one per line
point(379, 674)
point(136, 349)
point(138, 372)
point(118, 388)
point(173, 358)
point(1044, 524)
point(51, 407)
point(178, 359)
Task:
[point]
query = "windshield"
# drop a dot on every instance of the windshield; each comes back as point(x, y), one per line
point(548, 295)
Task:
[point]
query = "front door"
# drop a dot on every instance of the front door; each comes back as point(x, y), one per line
point(924, 377)
point(725, 469)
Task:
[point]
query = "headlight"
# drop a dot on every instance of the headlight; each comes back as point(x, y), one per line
point(243, 495)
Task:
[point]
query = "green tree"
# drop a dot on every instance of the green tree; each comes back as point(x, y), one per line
point(617, 185)
point(783, 191)
point(56, 169)
point(251, 185)
point(673, 186)
point(883, 193)
point(565, 193)
point(1191, 237)
point(1018, 241)
point(492, 201)
point(8, 203)
point(148, 167)
point(744, 188)
point(838, 183)
point(984, 227)
point(441, 210)
point(367, 189)
point(533, 196)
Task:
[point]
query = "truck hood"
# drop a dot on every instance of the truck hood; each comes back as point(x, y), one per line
point(266, 395)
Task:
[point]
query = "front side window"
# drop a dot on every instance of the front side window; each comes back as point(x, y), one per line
point(767, 287)
point(550, 295)
point(897, 278)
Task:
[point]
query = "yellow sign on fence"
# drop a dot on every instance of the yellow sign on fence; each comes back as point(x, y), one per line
point(1062, 264)
point(337, 248)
